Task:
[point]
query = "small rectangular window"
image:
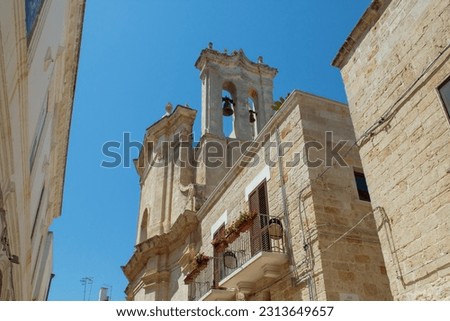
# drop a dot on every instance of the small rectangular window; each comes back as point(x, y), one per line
point(444, 91)
point(32, 8)
point(218, 252)
point(38, 211)
point(38, 132)
point(361, 186)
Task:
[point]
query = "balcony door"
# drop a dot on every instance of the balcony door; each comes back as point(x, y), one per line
point(219, 272)
point(259, 233)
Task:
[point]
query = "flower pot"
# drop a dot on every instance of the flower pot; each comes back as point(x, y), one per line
point(246, 226)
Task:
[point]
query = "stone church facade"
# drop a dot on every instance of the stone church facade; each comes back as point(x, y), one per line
point(270, 212)
point(280, 208)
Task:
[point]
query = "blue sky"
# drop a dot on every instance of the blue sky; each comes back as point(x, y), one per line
point(135, 57)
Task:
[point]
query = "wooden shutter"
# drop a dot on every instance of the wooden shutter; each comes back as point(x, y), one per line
point(218, 252)
point(258, 233)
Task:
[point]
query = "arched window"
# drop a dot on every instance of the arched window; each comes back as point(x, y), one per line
point(228, 92)
point(144, 227)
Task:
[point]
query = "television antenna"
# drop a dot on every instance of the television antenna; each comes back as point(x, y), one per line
point(85, 282)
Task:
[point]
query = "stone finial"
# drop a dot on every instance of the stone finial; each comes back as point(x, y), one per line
point(260, 59)
point(240, 296)
point(169, 108)
point(210, 45)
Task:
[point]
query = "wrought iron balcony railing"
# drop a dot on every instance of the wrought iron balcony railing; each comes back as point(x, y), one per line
point(202, 284)
point(266, 234)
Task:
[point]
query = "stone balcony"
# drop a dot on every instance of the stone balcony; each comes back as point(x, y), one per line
point(256, 253)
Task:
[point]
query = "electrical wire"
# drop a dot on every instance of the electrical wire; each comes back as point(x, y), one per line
point(348, 231)
point(284, 201)
point(391, 111)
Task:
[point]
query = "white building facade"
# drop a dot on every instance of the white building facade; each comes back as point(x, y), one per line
point(39, 50)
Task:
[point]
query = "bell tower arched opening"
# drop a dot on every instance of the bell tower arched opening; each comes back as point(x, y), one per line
point(245, 83)
point(228, 109)
point(253, 107)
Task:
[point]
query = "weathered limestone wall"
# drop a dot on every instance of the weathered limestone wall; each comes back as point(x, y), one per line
point(166, 176)
point(396, 67)
point(353, 267)
point(37, 80)
point(166, 223)
point(329, 209)
point(154, 271)
point(229, 202)
point(162, 279)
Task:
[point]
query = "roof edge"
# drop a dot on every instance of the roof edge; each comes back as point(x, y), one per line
point(365, 23)
point(237, 56)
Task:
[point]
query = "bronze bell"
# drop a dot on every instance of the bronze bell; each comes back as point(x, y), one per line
point(227, 110)
point(252, 118)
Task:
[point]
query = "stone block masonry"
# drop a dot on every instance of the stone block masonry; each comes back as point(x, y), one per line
point(391, 76)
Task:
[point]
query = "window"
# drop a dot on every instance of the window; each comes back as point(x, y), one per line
point(361, 186)
point(258, 199)
point(144, 225)
point(32, 8)
point(37, 259)
point(229, 95)
point(38, 132)
point(444, 91)
point(218, 252)
point(37, 215)
point(258, 233)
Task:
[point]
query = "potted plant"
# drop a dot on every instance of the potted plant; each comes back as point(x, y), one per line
point(245, 220)
point(241, 224)
point(201, 261)
point(220, 242)
point(232, 232)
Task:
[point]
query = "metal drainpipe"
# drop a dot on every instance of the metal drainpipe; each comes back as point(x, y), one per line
point(49, 286)
point(308, 253)
point(285, 208)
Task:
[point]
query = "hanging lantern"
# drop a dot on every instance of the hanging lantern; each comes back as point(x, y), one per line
point(252, 118)
point(275, 228)
point(229, 260)
point(227, 109)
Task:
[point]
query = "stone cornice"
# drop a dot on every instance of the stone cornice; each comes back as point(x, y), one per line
point(155, 277)
point(158, 244)
point(367, 21)
point(169, 122)
point(64, 113)
point(236, 58)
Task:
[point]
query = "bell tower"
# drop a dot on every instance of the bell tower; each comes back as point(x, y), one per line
point(235, 87)
point(236, 93)
point(176, 177)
